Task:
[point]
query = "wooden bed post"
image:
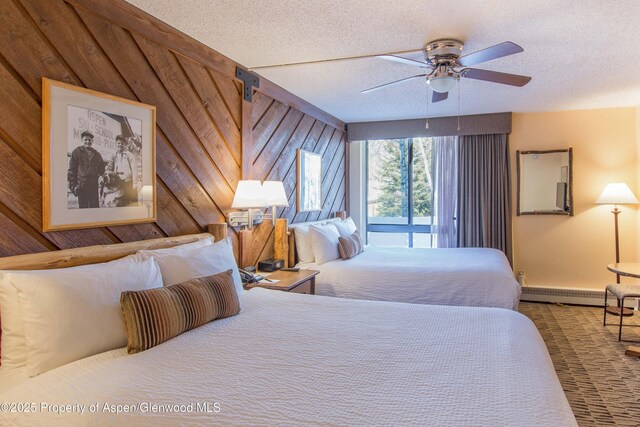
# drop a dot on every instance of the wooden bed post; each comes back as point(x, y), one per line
point(292, 248)
point(341, 214)
point(219, 231)
point(244, 243)
point(280, 241)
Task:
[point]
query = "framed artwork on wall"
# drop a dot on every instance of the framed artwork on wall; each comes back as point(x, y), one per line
point(309, 189)
point(98, 159)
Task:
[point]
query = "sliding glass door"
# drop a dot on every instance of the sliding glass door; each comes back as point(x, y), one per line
point(399, 192)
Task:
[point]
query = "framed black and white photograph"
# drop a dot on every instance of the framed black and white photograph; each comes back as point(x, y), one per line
point(98, 158)
point(309, 190)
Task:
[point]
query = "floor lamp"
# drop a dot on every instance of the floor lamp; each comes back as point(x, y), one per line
point(615, 194)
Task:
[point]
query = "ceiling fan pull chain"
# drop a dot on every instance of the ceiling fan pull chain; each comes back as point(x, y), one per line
point(458, 105)
point(426, 125)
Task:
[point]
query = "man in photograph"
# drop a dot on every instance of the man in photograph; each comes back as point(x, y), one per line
point(85, 167)
point(123, 164)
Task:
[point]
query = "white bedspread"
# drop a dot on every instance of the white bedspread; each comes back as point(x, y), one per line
point(476, 277)
point(291, 359)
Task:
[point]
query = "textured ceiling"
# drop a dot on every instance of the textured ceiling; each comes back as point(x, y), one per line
point(581, 54)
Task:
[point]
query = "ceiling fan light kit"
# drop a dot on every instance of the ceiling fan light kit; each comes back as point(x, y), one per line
point(442, 82)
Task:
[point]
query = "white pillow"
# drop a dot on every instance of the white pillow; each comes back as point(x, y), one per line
point(303, 243)
point(13, 350)
point(72, 313)
point(346, 228)
point(199, 262)
point(12, 343)
point(324, 242)
point(175, 250)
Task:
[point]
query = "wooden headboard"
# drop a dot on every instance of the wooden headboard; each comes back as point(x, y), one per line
point(102, 253)
point(284, 244)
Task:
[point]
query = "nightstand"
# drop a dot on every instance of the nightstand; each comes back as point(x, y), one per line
point(300, 282)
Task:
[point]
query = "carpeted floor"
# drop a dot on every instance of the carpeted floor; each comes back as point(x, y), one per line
point(601, 383)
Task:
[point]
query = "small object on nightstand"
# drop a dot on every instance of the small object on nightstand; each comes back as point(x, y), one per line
point(290, 269)
point(270, 264)
point(248, 276)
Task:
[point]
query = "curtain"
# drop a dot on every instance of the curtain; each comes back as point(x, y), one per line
point(484, 192)
point(445, 192)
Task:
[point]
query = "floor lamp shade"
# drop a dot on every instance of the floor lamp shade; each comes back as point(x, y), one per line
point(617, 193)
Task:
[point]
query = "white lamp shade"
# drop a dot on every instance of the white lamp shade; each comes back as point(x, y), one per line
point(274, 193)
point(248, 195)
point(617, 193)
point(147, 193)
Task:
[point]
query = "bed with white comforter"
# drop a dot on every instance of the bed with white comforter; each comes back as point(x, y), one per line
point(290, 359)
point(477, 277)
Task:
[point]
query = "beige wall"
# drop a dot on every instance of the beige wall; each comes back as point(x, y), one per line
point(573, 252)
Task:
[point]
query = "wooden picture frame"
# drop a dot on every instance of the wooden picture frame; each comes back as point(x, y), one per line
point(98, 159)
point(309, 185)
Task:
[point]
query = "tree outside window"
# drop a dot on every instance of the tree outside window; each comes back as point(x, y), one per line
point(399, 187)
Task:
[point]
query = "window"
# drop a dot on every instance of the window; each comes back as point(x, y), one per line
point(399, 192)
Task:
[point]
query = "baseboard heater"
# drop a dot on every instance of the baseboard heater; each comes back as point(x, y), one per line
point(570, 296)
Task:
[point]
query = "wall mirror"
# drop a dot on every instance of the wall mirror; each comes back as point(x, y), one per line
point(545, 184)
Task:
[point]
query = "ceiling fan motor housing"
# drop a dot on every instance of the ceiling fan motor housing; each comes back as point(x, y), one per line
point(443, 51)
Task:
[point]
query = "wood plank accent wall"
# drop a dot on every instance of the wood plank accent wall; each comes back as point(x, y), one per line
point(278, 131)
point(111, 46)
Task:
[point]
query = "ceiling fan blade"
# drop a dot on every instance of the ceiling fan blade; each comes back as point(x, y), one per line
point(392, 83)
point(403, 60)
point(437, 96)
point(495, 77)
point(493, 52)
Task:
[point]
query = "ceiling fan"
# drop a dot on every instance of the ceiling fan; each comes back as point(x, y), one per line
point(445, 67)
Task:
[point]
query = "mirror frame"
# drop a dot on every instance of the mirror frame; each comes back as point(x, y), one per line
point(569, 181)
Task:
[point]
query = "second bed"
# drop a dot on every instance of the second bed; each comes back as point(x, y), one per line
point(477, 277)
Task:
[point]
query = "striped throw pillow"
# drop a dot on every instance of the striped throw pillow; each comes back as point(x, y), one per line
point(348, 247)
point(154, 316)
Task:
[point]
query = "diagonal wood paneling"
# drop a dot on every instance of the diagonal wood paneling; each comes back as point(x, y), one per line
point(224, 114)
point(278, 131)
point(15, 241)
point(198, 137)
point(195, 114)
point(112, 47)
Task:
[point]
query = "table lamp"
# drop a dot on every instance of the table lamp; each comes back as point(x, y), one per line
point(249, 198)
point(276, 197)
